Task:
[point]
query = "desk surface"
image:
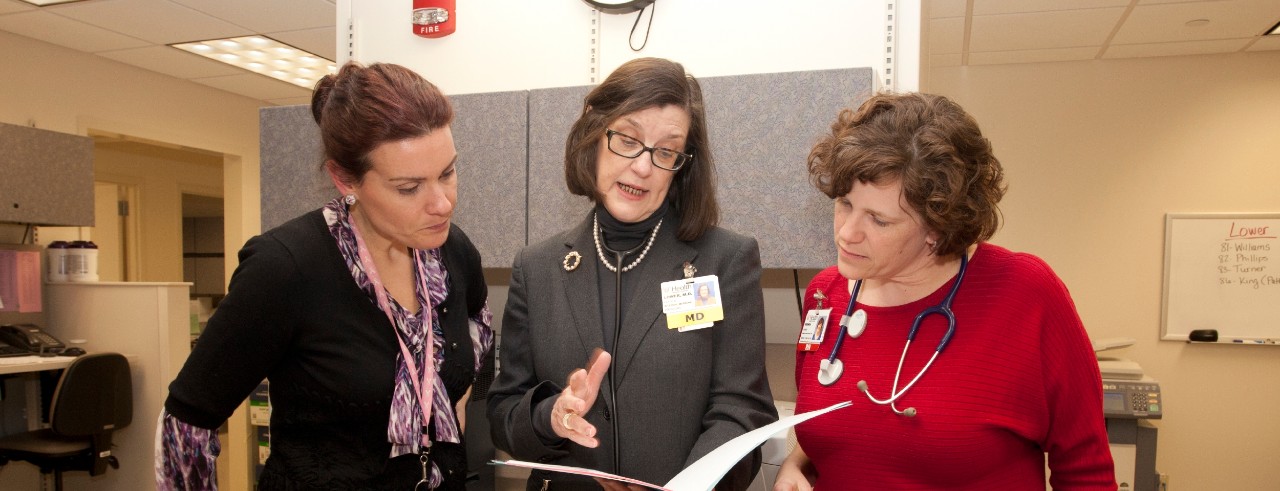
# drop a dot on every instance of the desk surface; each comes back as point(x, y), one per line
point(23, 364)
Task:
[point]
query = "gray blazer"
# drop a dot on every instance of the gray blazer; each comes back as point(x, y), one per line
point(680, 394)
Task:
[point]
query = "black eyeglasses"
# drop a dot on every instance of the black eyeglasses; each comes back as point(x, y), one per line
point(629, 147)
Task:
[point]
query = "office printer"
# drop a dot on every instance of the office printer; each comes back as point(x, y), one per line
point(1130, 400)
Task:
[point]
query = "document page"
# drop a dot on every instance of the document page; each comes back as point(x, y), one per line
point(707, 471)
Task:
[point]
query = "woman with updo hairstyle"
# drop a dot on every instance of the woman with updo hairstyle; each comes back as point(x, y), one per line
point(915, 188)
point(368, 316)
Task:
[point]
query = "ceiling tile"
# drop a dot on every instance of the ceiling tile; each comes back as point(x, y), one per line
point(946, 35)
point(990, 7)
point(62, 31)
point(1231, 19)
point(172, 61)
point(270, 15)
point(1175, 49)
point(254, 86)
point(1033, 56)
point(11, 6)
point(1267, 43)
point(1001, 32)
point(946, 8)
point(1152, 2)
point(157, 21)
point(1043, 30)
point(322, 41)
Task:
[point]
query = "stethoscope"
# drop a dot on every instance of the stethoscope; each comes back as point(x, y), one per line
point(854, 322)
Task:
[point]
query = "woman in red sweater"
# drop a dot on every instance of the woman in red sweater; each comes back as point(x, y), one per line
point(975, 399)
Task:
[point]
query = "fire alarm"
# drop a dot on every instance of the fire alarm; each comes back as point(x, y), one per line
point(434, 18)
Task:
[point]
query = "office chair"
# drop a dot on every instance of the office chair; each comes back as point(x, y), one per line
point(93, 399)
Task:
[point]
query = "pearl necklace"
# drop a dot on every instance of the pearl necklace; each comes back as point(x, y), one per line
point(595, 233)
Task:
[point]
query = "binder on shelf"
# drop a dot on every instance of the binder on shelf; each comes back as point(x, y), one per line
point(260, 405)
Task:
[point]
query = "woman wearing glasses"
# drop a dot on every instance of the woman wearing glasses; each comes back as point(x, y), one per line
point(652, 399)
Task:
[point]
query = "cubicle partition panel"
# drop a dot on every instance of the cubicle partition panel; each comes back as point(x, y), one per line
point(45, 176)
point(293, 181)
point(551, 207)
point(762, 127)
point(511, 188)
point(490, 133)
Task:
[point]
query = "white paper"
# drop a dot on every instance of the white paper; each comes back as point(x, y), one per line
point(704, 474)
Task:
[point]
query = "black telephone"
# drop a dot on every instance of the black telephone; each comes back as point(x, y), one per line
point(30, 338)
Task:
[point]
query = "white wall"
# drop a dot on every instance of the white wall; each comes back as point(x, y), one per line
point(503, 45)
point(1096, 153)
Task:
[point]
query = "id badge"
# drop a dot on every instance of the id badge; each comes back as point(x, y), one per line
point(815, 328)
point(692, 303)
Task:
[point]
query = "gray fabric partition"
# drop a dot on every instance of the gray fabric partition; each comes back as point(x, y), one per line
point(511, 162)
point(761, 126)
point(46, 177)
point(293, 182)
point(490, 133)
point(551, 207)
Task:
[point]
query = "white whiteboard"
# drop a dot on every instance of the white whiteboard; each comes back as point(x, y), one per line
point(1222, 272)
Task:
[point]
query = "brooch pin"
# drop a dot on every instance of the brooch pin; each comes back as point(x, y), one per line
point(819, 296)
point(689, 270)
point(572, 260)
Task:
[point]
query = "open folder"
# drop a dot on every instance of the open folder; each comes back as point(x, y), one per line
point(707, 471)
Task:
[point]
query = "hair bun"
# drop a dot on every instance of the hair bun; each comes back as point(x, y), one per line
point(320, 95)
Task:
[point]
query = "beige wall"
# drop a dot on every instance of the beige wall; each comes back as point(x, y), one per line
point(64, 90)
point(59, 89)
point(161, 177)
point(1096, 153)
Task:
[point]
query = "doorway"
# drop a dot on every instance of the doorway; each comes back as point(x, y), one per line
point(154, 180)
point(203, 260)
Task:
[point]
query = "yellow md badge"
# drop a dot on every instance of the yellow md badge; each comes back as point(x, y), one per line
point(692, 303)
point(693, 319)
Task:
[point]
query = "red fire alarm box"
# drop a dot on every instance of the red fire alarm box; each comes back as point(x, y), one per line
point(434, 18)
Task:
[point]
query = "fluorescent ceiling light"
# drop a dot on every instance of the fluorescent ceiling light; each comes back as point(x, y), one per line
point(265, 56)
point(44, 3)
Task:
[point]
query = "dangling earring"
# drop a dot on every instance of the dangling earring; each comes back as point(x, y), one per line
point(350, 199)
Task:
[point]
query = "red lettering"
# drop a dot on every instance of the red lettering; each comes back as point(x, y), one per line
point(1248, 231)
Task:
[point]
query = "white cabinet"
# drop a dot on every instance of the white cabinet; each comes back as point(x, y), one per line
point(148, 322)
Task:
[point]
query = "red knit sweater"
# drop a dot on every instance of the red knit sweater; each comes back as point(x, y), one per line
point(1018, 380)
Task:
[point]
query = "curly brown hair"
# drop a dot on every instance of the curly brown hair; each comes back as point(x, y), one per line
point(949, 174)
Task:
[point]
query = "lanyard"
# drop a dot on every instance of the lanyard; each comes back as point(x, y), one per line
point(424, 388)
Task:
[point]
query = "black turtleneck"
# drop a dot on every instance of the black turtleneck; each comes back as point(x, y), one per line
point(629, 238)
point(621, 236)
